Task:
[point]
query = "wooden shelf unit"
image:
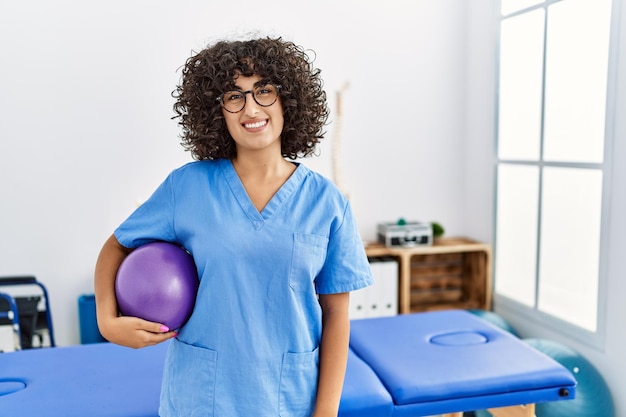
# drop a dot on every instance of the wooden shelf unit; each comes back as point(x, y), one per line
point(451, 273)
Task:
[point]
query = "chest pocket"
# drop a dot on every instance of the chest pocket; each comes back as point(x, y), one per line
point(309, 254)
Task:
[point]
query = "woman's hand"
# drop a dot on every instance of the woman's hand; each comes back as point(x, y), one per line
point(134, 332)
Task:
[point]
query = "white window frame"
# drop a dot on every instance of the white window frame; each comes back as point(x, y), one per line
point(533, 314)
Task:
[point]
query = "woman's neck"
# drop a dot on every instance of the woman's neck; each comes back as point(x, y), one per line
point(261, 166)
point(262, 178)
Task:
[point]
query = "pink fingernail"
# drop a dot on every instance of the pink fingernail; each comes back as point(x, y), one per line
point(164, 328)
point(174, 335)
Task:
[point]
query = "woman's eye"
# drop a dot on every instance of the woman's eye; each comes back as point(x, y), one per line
point(264, 90)
point(233, 96)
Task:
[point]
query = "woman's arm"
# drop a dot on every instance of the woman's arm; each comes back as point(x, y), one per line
point(333, 352)
point(127, 331)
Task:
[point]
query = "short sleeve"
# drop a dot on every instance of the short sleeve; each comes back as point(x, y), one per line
point(151, 221)
point(346, 267)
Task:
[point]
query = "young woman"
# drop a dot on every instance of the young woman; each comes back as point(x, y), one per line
point(275, 244)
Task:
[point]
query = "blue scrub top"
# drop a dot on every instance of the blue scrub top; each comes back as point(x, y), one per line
point(250, 347)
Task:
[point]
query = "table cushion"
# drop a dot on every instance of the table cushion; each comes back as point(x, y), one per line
point(96, 380)
point(454, 356)
point(363, 393)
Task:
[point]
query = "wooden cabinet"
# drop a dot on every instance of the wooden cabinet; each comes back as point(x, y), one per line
point(452, 273)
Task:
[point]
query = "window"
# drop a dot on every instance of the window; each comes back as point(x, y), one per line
point(553, 90)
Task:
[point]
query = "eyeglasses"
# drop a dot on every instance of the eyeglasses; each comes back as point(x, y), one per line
point(235, 100)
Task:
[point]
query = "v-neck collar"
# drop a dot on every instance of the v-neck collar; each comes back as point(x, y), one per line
point(276, 202)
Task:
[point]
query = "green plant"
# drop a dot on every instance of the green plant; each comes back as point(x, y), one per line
point(438, 229)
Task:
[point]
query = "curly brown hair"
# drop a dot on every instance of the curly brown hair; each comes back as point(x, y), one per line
point(214, 70)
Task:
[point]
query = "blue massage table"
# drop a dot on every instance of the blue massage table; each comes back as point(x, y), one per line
point(443, 362)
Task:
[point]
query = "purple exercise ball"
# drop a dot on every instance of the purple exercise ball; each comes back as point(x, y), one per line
point(157, 282)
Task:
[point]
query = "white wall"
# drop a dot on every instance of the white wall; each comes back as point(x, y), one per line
point(85, 129)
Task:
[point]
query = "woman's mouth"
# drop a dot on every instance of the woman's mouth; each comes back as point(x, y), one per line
point(255, 125)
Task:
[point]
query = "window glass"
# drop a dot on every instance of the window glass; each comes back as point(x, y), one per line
point(510, 6)
point(570, 244)
point(520, 86)
point(516, 232)
point(576, 77)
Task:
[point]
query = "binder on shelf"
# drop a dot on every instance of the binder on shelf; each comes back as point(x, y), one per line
point(381, 298)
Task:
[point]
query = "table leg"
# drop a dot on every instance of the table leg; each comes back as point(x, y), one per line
point(527, 410)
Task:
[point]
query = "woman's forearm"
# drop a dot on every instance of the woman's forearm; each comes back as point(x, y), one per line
point(111, 256)
point(333, 353)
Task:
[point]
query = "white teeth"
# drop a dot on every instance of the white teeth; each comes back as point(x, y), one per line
point(255, 125)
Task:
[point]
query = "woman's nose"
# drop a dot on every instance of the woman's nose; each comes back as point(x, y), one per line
point(250, 106)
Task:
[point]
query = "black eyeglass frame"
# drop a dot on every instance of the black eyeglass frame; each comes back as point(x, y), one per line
point(220, 98)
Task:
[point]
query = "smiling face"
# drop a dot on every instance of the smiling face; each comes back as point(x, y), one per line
point(255, 127)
